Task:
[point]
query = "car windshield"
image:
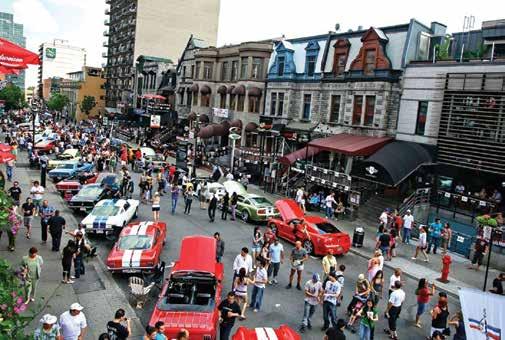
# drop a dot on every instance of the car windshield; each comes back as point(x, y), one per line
point(109, 180)
point(64, 156)
point(326, 228)
point(90, 191)
point(65, 166)
point(260, 200)
point(135, 242)
point(105, 210)
point(156, 157)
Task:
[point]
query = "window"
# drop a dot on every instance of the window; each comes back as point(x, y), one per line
point(197, 70)
point(358, 108)
point(369, 110)
point(181, 100)
point(225, 70)
point(369, 62)
point(243, 68)
point(422, 113)
point(207, 70)
point(189, 97)
point(257, 68)
point(192, 71)
point(340, 64)
point(254, 104)
point(195, 99)
point(222, 100)
point(311, 65)
point(334, 109)
point(307, 98)
point(240, 102)
point(280, 108)
point(205, 100)
point(280, 66)
point(234, 70)
point(232, 101)
point(273, 103)
point(183, 73)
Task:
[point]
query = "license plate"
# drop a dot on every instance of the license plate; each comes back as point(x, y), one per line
point(82, 209)
point(130, 271)
point(99, 231)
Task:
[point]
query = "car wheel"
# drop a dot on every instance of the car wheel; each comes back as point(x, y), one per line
point(273, 226)
point(245, 215)
point(309, 246)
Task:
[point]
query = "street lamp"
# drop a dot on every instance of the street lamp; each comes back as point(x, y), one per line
point(233, 136)
point(195, 138)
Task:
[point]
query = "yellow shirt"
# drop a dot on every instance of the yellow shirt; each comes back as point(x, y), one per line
point(328, 262)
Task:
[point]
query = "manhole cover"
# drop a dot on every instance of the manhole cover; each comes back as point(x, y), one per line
point(90, 282)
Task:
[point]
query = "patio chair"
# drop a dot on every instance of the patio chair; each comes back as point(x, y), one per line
point(139, 291)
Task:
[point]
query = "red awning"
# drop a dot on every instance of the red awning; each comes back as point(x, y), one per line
point(153, 96)
point(7, 70)
point(350, 144)
point(14, 56)
point(303, 153)
point(6, 157)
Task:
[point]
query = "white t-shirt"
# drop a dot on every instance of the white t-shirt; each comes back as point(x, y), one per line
point(421, 242)
point(407, 221)
point(241, 262)
point(34, 190)
point(299, 195)
point(393, 279)
point(397, 297)
point(313, 288)
point(261, 275)
point(384, 218)
point(331, 288)
point(71, 326)
point(329, 201)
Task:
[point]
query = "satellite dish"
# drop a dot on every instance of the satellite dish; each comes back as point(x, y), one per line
point(337, 27)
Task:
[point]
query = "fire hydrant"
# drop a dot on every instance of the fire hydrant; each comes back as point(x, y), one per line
point(446, 263)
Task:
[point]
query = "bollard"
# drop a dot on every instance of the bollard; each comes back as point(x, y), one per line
point(446, 263)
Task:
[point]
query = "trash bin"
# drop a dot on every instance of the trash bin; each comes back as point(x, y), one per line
point(358, 237)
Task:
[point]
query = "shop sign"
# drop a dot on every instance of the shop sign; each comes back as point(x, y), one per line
point(155, 121)
point(371, 171)
point(51, 52)
point(222, 113)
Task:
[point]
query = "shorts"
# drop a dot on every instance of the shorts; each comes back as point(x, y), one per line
point(298, 267)
point(256, 249)
point(477, 258)
point(421, 308)
point(37, 202)
point(27, 220)
point(156, 208)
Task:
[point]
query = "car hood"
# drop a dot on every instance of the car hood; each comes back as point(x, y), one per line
point(289, 210)
point(60, 171)
point(97, 220)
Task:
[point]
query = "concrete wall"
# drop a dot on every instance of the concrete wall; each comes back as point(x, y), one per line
point(91, 87)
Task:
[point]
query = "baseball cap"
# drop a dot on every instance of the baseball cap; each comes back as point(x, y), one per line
point(315, 277)
point(76, 306)
point(49, 319)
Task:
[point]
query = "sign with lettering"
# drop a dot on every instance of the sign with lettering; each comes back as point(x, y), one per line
point(222, 113)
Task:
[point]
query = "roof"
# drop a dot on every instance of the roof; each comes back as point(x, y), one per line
point(350, 144)
point(151, 58)
point(198, 254)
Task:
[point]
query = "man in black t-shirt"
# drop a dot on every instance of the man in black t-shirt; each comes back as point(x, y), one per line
point(15, 193)
point(28, 209)
point(56, 225)
point(229, 310)
point(498, 284)
point(115, 329)
point(480, 250)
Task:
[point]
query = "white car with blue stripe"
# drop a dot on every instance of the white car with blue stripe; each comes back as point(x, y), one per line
point(110, 216)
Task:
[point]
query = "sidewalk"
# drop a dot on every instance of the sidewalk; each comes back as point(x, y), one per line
point(96, 291)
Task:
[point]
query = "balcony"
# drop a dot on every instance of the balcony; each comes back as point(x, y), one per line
point(105, 33)
point(105, 44)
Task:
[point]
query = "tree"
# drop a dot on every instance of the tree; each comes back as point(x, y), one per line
point(13, 96)
point(88, 103)
point(57, 101)
point(442, 49)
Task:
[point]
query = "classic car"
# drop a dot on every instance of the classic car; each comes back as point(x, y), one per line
point(138, 248)
point(190, 296)
point(88, 196)
point(157, 160)
point(71, 185)
point(283, 332)
point(45, 146)
point(110, 216)
point(111, 181)
point(317, 234)
point(251, 206)
point(212, 188)
point(67, 156)
point(69, 169)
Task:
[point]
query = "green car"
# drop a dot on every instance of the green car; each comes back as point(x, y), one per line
point(251, 207)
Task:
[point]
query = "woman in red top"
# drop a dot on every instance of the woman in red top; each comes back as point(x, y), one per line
point(423, 293)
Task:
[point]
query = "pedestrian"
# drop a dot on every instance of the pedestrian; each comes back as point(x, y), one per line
point(233, 205)
point(15, 193)
point(225, 205)
point(394, 309)
point(242, 260)
point(498, 284)
point(175, 196)
point(336, 333)
point(28, 211)
point(201, 189)
point(260, 280)
point(374, 265)
point(384, 218)
point(480, 249)
point(116, 328)
point(79, 255)
point(219, 246)
point(446, 237)
point(156, 206)
point(421, 244)
point(396, 276)
point(56, 226)
point(228, 311)
point(73, 323)
point(329, 264)
point(150, 334)
point(408, 224)
point(369, 316)
point(303, 203)
point(424, 293)
point(339, 274)
point(440, 315)
point(377, 286)
point(183, 334)
point(299, 196)
point(435, 234)
point(240, 283)
point(298, 257)
point(276, 251)
point(459, 324)
point(329, 202)
point(49, 330)
point(188, 199)
point(257, 242)
point(313, 292)
point(332, 291)
point(37, 193)
point(212, 207)
point(32, 264)
point(9, 168)
point(68, 255)
point(160, 330)
point(383, 243)
point(46, 212)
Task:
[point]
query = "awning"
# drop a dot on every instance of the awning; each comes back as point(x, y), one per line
point(239, 90)
point(181, 90)
point(392, 164)
point(303, 153)
point(251, 126)
point(230, 89)
point(204, 118)
point(236, 123)
point(205, 90)
point(192, 116)
point(222, 89)
point(153, 96)
point(194, 88)
point(254, 92)
point(350, 144)
point(206, 132)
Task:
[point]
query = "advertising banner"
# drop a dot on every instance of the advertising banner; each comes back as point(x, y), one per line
point(484, 314)
point(222, 113)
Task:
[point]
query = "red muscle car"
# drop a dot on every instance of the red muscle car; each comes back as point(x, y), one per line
point(138, 248)
point(46, 146)
point(191, 295)
point(282, 333)
point(71, 186)
point(317, 234)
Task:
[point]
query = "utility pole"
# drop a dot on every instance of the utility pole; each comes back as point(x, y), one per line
point(468, 24)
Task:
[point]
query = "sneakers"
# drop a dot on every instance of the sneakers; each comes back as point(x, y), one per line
point(413, 258)
point(288, 286)
point(298, 287)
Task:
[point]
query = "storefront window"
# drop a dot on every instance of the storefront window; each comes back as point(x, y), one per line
point(422, 113)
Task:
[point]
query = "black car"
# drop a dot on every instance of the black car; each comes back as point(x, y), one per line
point(88, 196)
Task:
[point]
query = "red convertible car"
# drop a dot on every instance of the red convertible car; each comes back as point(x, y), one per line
point(71, 186)
point(138, 248)
point(318, 235)
point(191, 295)
point(46, 146)
point(265, 333)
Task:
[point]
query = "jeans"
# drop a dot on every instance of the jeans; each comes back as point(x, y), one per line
point(187, 208)
point(308, 311)
point(78, 266)
point(9, 172)
point(212, 214)
point(329, 314)
point(273, 268)
point(364, 332)
point(329, 212)
point(257, 297)
point(435, 241)
point(394, 313)
point(225, 330)
point(406, 235)
point(56, 239)
point(174, 205)
point(224, 213)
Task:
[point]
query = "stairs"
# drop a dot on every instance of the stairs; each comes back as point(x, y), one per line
point(370, 211)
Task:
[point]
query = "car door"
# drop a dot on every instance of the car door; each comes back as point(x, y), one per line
point(240, 203)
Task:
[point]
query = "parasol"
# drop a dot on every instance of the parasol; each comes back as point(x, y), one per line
point(6, 156)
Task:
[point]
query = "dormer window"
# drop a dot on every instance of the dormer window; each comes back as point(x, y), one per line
point(311, 65)
point(342, 47)
point(369, 66)
point(280, 66)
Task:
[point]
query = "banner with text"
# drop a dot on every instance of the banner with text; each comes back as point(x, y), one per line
point(484, 314)
point(223, 113)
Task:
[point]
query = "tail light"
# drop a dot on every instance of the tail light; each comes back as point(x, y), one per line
point(262, 211)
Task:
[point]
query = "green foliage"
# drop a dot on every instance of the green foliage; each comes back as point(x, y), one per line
point(14, 97)
point(5, 210)
point(487, 220)
point(88, 103)
point(476, 54)
point(57, 101)
point(442, 49)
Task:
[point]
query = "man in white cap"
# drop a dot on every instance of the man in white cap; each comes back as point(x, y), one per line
point(49, 328)
point(73, 323)
point(408, 223)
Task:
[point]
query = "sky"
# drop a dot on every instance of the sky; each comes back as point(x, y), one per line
point(81, 21)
